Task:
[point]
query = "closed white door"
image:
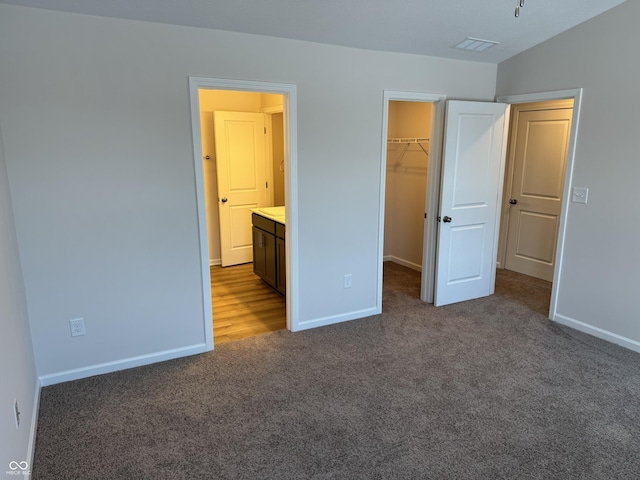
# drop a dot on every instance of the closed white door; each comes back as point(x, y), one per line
point(469, 215)
point(242, 180)
point(537, 159)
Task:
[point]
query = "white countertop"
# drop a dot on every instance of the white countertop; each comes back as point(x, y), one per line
point(272, 213)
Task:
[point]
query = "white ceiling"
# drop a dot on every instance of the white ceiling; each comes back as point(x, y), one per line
point(423, 27)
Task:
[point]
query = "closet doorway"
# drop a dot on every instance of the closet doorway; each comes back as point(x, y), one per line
point(408, 134)
point(412, 124)
point(407, 166)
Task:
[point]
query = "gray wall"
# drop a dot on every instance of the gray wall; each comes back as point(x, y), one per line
point(599, 283)
point(95, 113)
point(17, 367)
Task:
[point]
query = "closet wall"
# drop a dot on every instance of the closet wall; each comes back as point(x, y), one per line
point(406, 185)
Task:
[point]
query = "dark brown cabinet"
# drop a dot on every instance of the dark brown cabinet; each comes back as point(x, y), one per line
point(269, 261)
point(281, 262)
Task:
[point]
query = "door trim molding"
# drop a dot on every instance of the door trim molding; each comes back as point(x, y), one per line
point(433, 187)
point(290, 108)
point(576, 94)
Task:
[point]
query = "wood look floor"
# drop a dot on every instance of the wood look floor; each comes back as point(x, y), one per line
point(243, 306)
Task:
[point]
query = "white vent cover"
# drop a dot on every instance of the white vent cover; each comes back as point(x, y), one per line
point(475, 44)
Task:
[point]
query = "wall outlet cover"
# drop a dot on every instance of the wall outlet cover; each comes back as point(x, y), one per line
point(77, 327)
point(579, 195)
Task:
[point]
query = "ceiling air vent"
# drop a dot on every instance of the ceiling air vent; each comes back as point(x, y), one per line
point(475, 44)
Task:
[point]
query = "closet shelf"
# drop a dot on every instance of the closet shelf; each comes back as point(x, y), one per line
point(407, 140)
point(403, 144)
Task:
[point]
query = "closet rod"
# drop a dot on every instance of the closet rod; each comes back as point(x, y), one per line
point(407, 140)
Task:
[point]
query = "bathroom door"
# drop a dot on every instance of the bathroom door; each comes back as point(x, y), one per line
point(242, 180)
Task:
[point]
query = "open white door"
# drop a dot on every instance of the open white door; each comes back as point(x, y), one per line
point(242, 180)
point(473, 164)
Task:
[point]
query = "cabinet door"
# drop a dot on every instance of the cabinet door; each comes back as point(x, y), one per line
point(281, 266)
point(264, 256)
point(259, 261)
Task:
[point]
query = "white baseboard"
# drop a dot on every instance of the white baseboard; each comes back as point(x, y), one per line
point(215, 261)
point(404, 263)
point(321, 322)
point(90, 371)
point(598, 332)
point(33, 429)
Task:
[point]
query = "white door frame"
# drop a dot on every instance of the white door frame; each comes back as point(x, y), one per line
point(576, 94)
point(291, 188)
point(433, 188)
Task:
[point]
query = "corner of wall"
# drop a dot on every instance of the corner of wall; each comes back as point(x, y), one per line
point(19, 397)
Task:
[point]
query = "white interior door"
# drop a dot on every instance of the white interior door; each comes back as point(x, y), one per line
point(242, 180)
point(537, 158)
point(472, 167)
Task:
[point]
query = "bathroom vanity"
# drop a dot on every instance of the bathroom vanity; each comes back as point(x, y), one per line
point(269, 261)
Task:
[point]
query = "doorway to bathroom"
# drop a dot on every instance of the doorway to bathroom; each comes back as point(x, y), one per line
point(243, 164)
point(242, 135)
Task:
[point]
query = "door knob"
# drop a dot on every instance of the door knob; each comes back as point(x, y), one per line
point(513, 201)
point(446, 219)
point(207, 157)
point(224, 199)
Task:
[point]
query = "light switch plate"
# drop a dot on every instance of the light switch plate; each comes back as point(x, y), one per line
point(579, 195)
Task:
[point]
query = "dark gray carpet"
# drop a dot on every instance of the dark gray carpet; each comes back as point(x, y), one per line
point(487, 389)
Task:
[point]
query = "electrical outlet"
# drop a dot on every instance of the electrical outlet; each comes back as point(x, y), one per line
point(77, 327)
point(347, 280)
point(580, 195)
point(16, 413)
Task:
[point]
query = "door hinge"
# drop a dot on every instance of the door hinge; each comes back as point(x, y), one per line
point(425, 216)
point(265, 130)
point(266, 184)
